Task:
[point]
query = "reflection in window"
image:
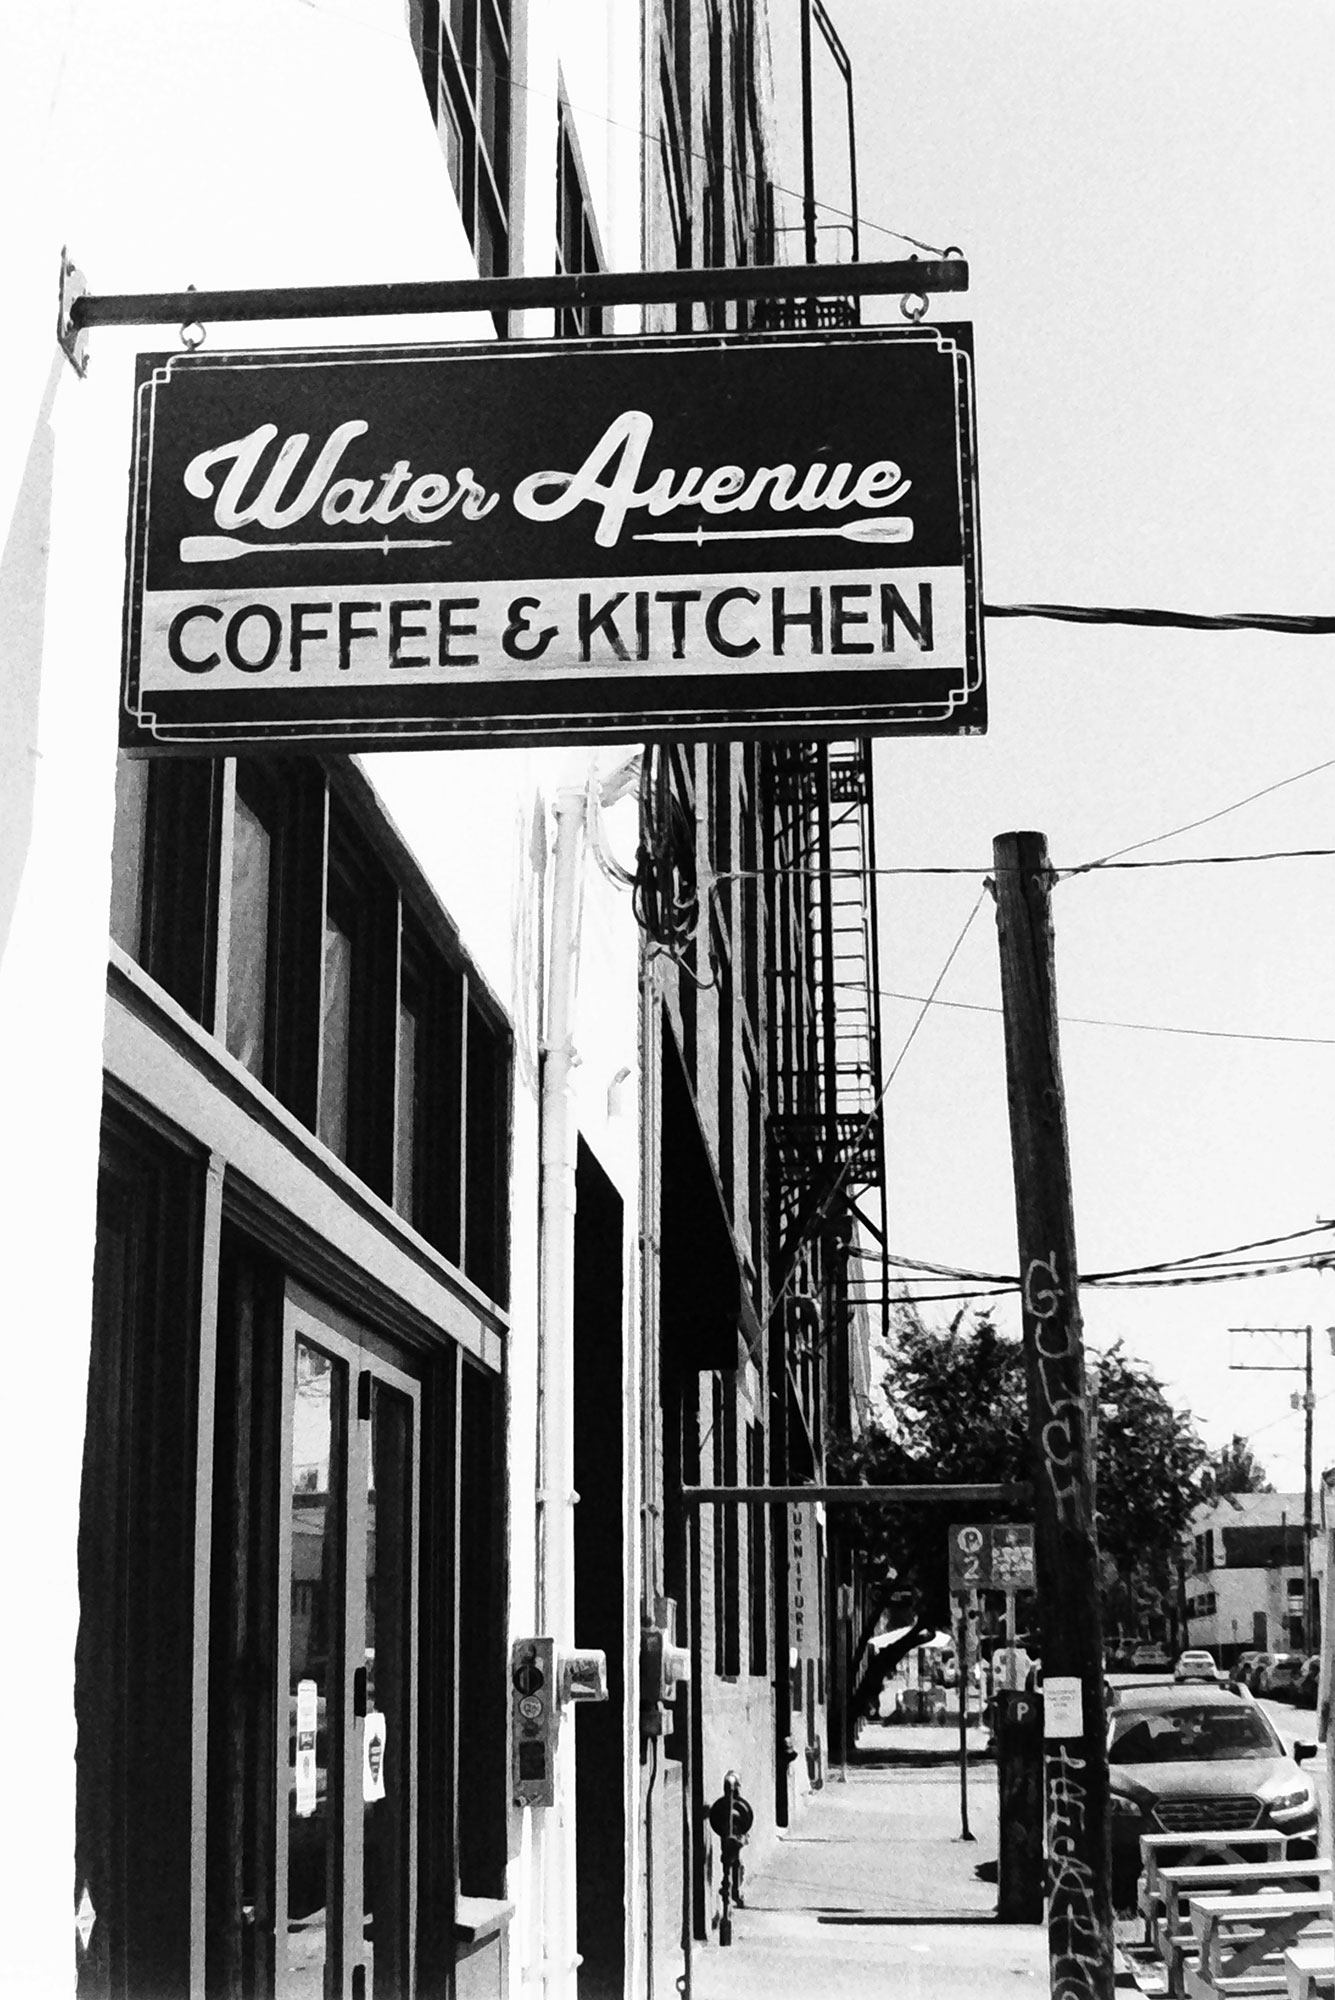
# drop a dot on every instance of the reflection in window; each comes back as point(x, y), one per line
point(335, 1020)
point(464, 54)
point(405, 1121)
point(387, 1826)
point(1210, 1734)
point(127, 852)
point(248, 938)
point(311, 1635)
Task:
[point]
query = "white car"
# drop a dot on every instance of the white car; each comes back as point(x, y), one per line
point(1196, 1666)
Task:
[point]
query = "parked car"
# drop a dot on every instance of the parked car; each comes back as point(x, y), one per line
point(1150, 1658)
point(1277, 1676)
point(1195, 1665)
point(1192, 1758)
point(1244, 1667)
point(1309, 1682)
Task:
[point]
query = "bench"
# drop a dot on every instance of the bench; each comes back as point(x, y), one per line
point(1309, 1970)
point(1178, 1888)
point(1242, 1939)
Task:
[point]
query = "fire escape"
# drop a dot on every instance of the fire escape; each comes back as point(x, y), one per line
point(826, 1135)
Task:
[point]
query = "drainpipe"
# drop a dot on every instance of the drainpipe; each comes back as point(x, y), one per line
point(554, 1826)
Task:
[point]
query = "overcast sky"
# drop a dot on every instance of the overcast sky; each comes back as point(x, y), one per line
point(1146, 201)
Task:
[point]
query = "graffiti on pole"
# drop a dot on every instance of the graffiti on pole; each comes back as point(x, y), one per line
point(1075, 1937)
point(1057, 1345)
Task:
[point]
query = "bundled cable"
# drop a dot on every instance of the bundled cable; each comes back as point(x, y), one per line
point(666, 895)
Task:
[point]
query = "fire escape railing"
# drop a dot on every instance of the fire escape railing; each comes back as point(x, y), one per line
point(827, 1143)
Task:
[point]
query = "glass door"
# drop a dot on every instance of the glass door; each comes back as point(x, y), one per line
point(347, 1667)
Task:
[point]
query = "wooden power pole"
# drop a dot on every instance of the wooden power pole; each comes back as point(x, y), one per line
point(1080, 1942)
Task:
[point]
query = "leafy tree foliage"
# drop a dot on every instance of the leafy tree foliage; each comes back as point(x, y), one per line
point(1148, 1463)
point(957, 1413)
point(1233, 1469)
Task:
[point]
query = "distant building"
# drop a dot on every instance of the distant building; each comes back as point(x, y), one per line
point(1245, 1584)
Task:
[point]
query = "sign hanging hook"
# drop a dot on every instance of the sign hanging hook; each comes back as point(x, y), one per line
point(914, 305)
point(193, 333)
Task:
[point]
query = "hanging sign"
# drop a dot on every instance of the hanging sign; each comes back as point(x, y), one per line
point(607, 540)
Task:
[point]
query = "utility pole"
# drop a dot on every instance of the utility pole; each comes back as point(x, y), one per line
point(1309, 1403)
point(1080, 1939)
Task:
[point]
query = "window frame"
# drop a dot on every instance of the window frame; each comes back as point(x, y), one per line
point(469, 94)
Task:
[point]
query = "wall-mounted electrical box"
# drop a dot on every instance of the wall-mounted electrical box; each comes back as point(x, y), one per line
point(535, 1719)
point(663, 1667)
point(544, 1682)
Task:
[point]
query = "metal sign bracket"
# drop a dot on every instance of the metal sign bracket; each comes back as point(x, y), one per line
point(73, 339)
point(80, 309)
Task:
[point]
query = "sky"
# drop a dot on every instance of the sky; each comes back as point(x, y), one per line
point(1146, 201)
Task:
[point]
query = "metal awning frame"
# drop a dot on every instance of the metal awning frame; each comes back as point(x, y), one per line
point(1019, 1491)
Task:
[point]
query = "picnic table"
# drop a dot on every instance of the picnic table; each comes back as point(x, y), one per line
point(1242, 1939)
point(1198, 1850)
point(1309, 1970)
point(1181, 1888)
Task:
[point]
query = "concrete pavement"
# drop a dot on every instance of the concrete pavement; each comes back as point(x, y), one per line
point(873, 1893)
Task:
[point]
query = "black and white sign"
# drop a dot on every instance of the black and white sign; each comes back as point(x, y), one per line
point(557, 540)
point(997, 1555)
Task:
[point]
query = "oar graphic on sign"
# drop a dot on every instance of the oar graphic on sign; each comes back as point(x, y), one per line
point(888, 528)
point(226, 548)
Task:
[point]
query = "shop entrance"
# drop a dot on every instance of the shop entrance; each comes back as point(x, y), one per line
point(347, 1663)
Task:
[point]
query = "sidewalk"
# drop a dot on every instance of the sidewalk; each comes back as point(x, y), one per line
point(873, 1893)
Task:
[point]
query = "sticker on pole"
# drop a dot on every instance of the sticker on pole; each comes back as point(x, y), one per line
point(1063, 1710)
point(307, 1724)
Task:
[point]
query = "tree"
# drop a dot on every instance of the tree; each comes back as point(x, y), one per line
point(1148, 1467)
point(1232, 1469)
point(957, 1413)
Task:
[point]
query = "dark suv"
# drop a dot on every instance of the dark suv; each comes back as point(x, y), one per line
point(1199, 1759)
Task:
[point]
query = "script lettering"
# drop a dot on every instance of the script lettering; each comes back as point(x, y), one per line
point(609, 479)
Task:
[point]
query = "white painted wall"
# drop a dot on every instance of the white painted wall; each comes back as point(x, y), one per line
point(265, 142)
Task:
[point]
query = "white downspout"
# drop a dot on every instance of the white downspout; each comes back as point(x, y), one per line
point(554, 1838)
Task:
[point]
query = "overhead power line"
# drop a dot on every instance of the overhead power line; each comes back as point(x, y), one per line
point(1277, 1269)
point(1138, 1027)
point(1209, 1267)
point(1191, 621)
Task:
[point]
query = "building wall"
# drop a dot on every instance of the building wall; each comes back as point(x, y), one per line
point(1235, 1605)
point(267, 146)
point(252, 147)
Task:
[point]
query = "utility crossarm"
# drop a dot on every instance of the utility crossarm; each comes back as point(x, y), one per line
point(1019, 1491)
point(81, 309)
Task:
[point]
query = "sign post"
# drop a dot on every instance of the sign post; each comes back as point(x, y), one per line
point(962, 1677)
point(994, 1555)
point(675, 537)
